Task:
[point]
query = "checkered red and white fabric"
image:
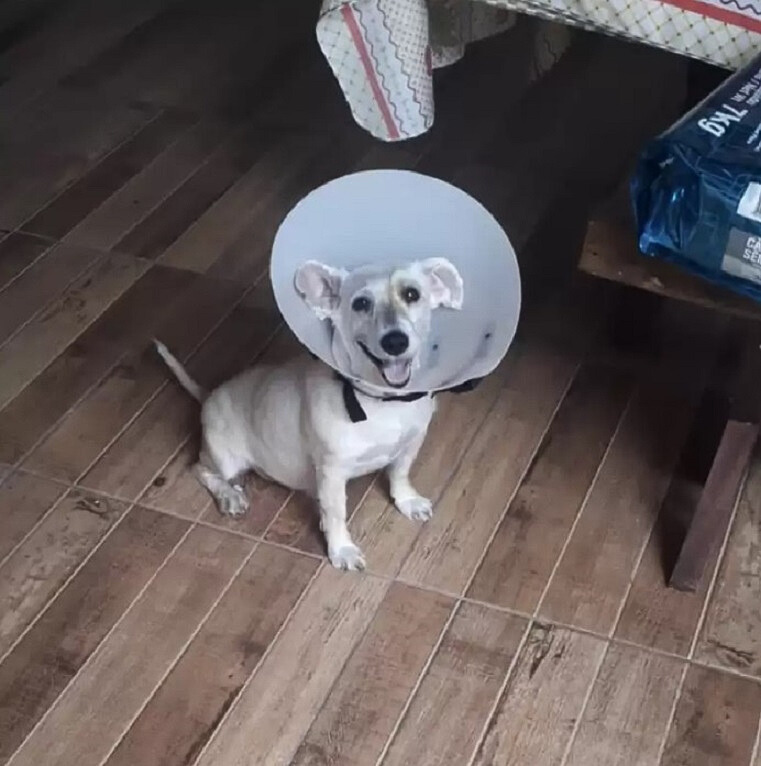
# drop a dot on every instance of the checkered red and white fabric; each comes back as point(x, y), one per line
point(722, 32)
point(383, 51)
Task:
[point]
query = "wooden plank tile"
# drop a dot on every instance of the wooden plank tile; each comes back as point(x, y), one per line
point(448, 548)
point(186, 709)
point(265, 497)
point(458, 691)
point(31, 350)
point(627, 715)
point(125, 209)
point(241, 73)
point(536, 714)
point(173, 59)
point(127, 323)
point(53, 142)
point(106, 69)
point(594, 573)
point(241, 258)
point(43, 562)
point(654, 614)
point(133, 461)
point(730, 635)
point(17, 252)
point(73, 34)
point(43, 281)
point(24, 499)
point(200, 245)
point(716, 720)
point(84, 432)
point(176, 488)
point(60, 642)
point(61, 215)
point(102, 700)
point(298, 523)
point(356, 719)
point(521, 557)
point(181, 209)
point(276, 708)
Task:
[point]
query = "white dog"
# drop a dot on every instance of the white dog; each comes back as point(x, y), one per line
point(303, 426)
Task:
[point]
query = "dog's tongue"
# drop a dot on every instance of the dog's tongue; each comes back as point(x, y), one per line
point(397, 373)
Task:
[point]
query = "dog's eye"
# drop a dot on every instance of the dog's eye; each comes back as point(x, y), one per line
point(410, 295)
point(361, 304)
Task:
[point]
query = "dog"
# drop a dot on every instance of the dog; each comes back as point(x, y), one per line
point(289, 423)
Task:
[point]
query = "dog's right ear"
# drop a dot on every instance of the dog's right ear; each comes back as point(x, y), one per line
point(320, 287)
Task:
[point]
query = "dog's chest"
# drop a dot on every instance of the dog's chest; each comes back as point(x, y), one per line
point(378, 441)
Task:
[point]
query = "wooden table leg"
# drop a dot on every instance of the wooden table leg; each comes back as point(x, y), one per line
point(714, 509)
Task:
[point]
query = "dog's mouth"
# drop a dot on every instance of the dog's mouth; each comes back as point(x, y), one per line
point(395, 372)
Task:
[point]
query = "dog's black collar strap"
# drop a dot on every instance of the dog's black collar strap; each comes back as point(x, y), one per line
point(357, 414)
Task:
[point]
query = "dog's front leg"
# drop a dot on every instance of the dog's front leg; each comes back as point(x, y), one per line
point(331, 495)
point(407, 499)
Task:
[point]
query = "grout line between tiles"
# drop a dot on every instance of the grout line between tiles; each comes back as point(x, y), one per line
point(521, 478)
point(672, 715)
point(533, 617)
point(611, 631)
point(172, 665)
point(101, 643)
point(180, 136)
point(66, 489)
point(230, 134)
point(582, 710)
point(756, 743)
point(37, 617)
point(583, 505)
point(51, 244)
point(355, 647)
point(131, 350)
point(98, 258)
point(500, 694)
point(90, 167)
point(156, 394)
point(234, 701)
point(63, 348)
point(416, 686)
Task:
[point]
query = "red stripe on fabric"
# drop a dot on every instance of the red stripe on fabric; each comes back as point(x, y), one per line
point(359, 43)
point(719, 14)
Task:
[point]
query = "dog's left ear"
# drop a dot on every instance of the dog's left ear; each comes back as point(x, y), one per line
point(444, 283)
point(320, 286)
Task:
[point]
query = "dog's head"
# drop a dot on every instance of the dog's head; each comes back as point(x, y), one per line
point(381, 319)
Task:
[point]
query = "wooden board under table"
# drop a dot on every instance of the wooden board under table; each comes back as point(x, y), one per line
point(610, 252)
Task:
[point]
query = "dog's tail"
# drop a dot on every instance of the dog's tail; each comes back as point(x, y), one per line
point(179, 371)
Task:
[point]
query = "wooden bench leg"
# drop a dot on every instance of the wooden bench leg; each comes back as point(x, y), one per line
point(714, 509)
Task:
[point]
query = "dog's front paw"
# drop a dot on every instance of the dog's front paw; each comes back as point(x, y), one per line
point(347, 557)
point(233, 503)
point(416, 508)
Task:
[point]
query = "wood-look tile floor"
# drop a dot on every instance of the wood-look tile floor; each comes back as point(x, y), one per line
point(148, 151)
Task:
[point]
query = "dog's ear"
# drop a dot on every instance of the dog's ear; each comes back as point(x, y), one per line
point(320, 287)
point(444, 283)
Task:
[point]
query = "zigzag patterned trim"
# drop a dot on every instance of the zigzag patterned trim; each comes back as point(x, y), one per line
point(384, 21)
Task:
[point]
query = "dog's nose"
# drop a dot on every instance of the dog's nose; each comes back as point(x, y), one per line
point(395, 342)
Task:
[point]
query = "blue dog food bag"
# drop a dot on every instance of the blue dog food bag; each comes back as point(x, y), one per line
point(697, 188)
